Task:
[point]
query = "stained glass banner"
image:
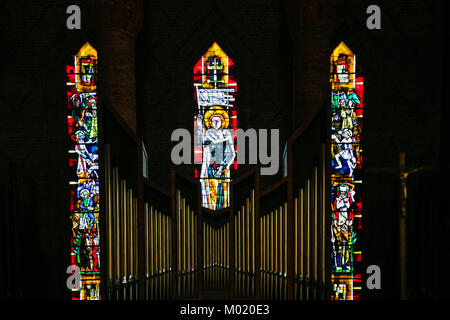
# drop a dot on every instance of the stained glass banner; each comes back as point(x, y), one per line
point(346, 165)
point(84, 165)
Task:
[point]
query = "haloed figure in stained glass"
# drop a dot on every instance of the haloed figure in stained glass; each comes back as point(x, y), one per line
point(88, 202)
point(92, 246)
point(341, 228)
point(218, 155)
point(348, 114)
point(87, 160)
point(346, 143)
point(85, 113)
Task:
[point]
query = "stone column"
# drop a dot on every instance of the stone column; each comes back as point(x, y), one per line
point(117, 25)
point(312, 24)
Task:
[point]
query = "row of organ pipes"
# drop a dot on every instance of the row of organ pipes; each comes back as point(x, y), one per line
point(309, 261)
point(309, 237)
point(158, 260)
point(274, 254)
point(216, 255)
point(187, 248)
point(121, 208)
point(244, 234)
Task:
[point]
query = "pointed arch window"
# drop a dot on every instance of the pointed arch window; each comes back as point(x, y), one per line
point(215, 124)
point(84, 171)
point(346, 166)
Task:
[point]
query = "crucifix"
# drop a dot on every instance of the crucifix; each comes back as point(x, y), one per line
point(403, 171)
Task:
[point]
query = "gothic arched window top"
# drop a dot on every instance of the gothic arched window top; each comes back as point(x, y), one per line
point(342, 67)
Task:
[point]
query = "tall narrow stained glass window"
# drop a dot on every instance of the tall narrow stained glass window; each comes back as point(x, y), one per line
point(346, 164)
point(83, 163)
point(215, 126)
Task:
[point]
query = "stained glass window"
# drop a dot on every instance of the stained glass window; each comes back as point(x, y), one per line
point(346, 164)
point(215, 126)
point(84, 165)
